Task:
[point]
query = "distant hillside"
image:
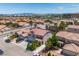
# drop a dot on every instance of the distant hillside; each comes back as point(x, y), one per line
point(31, 14)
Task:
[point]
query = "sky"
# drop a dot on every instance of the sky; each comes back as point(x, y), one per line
point(39, 8)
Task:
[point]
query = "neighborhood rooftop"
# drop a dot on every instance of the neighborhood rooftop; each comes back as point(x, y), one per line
point(36, 31)
point(2, 26)
point(41, 32)
point(68, 35)
point(73, 26)
point(23, 32)
point(70, 49)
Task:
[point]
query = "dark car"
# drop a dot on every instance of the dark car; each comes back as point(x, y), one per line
point(19, 39)
point(7, 40)
point(1, 52)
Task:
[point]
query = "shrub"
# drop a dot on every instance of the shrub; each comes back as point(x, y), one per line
point(11, 24)
point(32, 46)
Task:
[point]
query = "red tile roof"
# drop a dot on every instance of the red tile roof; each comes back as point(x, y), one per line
point(39, 31)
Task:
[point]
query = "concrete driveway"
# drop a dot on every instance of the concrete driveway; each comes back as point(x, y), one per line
point(12, 49)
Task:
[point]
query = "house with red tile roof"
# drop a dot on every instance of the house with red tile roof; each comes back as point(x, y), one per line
point(2, 27)
point(23, 32)
point(68, 37)
point(39, 33)
point(73, 28)
point(70, 50)
point(71, 35)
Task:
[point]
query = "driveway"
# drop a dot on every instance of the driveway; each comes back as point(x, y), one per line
point(12, 49)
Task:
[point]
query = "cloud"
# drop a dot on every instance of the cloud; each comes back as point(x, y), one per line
point(60, 8)
point(75, 5)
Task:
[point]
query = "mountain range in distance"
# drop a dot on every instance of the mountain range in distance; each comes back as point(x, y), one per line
point(32, 14)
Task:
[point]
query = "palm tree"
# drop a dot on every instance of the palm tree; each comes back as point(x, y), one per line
point(47, 26)
point(31, 21)
point(35, 25)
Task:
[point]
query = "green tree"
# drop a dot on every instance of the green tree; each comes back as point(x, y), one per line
point(28, 46)
point(48, 21)
point(48, 43)
point(14, 25)
point(52, 42)
point(11, 24)
point(33, 45)
point(55, 40)
point(62, 26)
point(48, 17)
point(8, 23)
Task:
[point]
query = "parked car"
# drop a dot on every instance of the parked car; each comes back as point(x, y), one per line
point(19, 39)
point(1, 52)
point(7, 40)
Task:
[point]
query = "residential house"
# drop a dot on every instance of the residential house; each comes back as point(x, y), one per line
point(24, 32)
point(41, 33)
point(37, 33)
point(70, 50)
point(73, 28)
point(68, 37)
